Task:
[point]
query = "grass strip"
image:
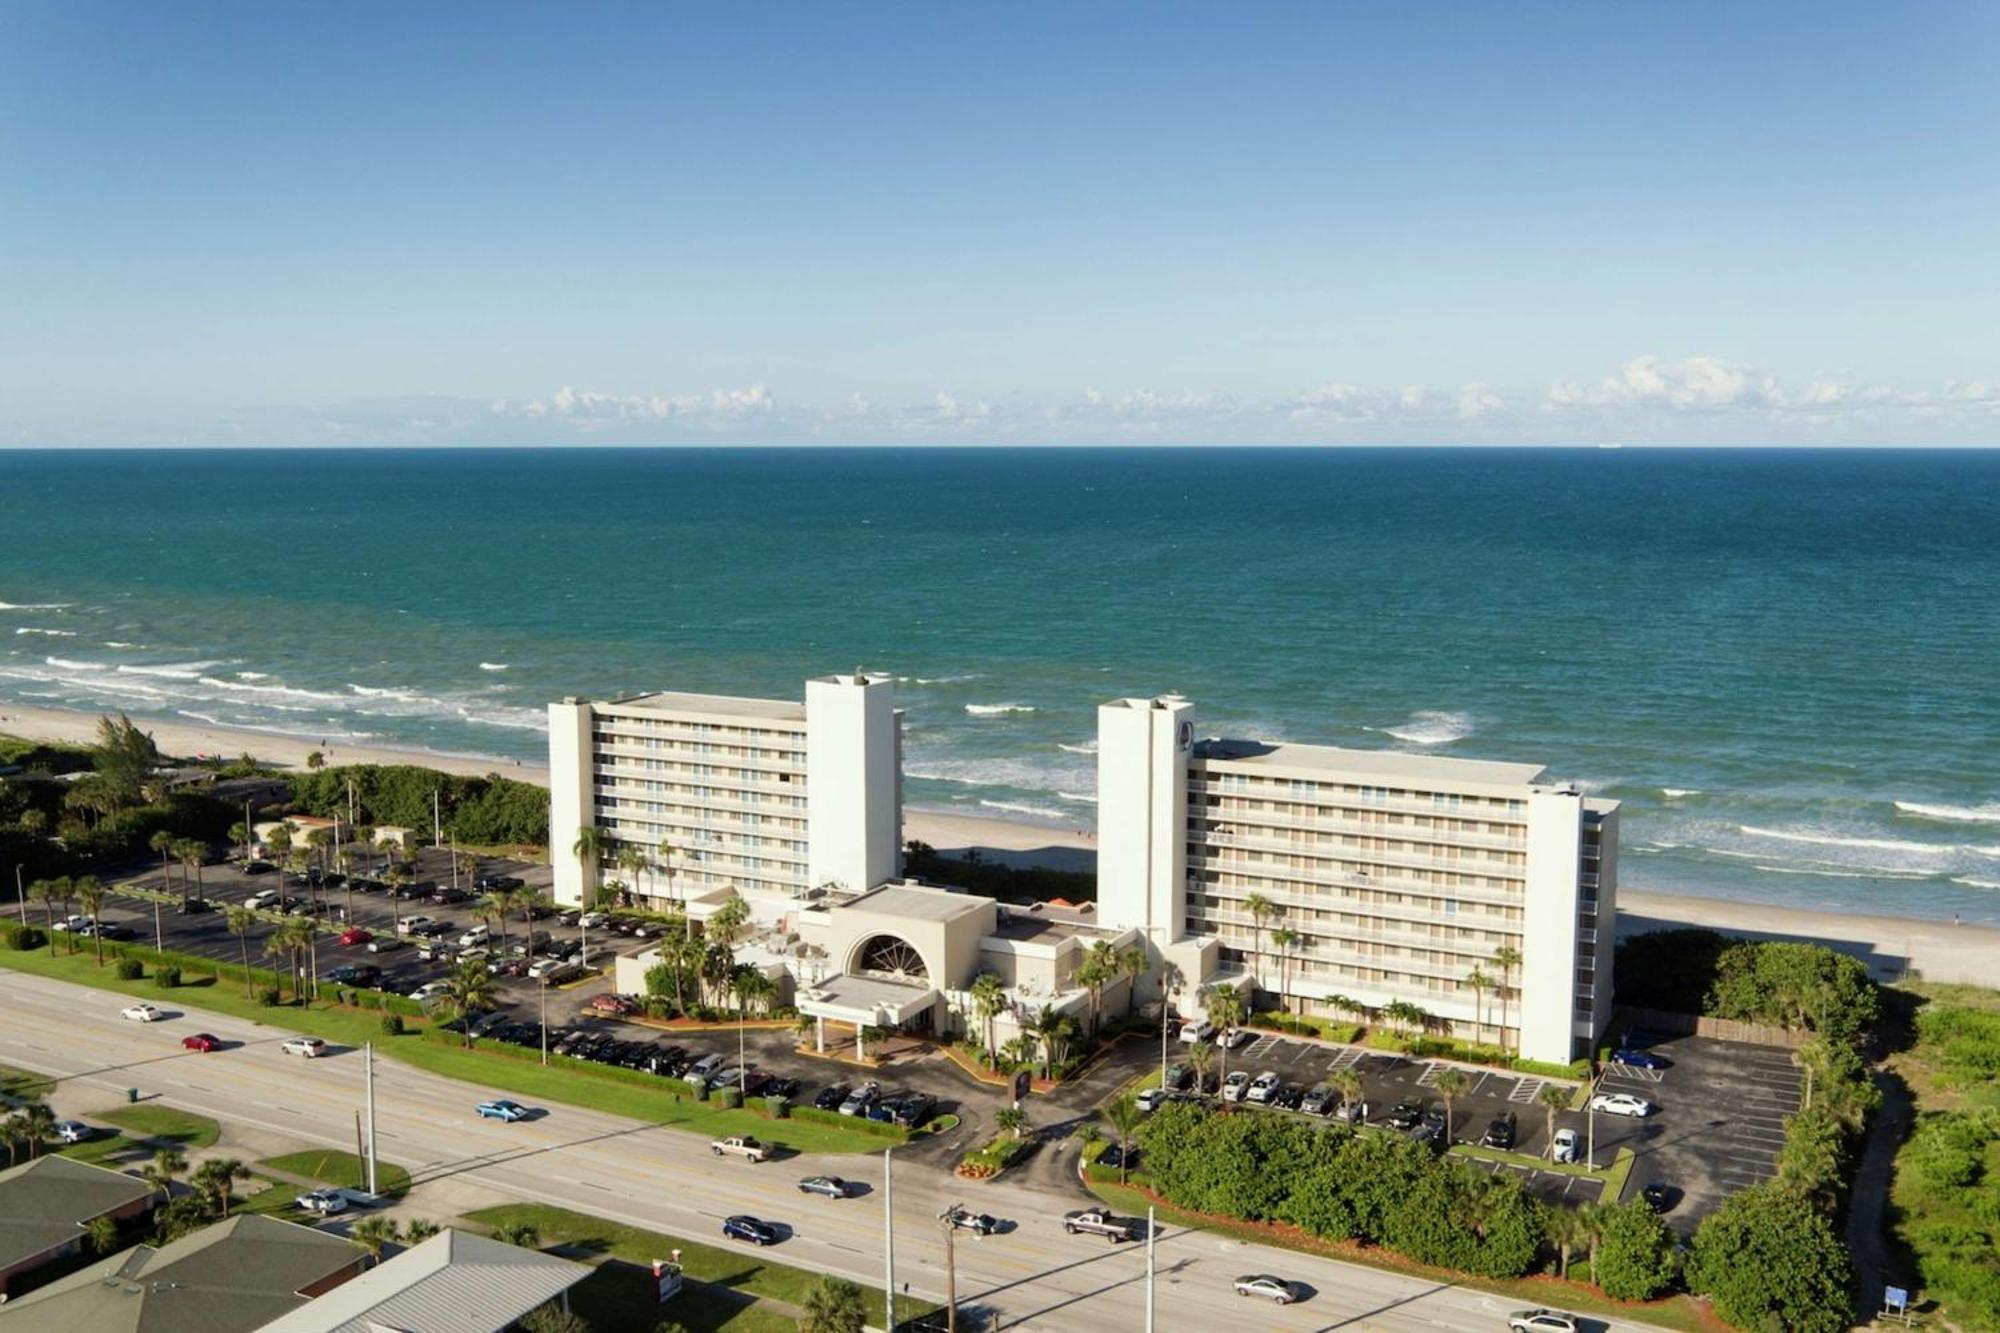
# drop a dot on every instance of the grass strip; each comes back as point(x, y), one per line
point(343, 1170)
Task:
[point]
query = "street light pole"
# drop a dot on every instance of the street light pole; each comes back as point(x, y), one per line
point(888, 1241)
point(950, 1268)
point(542, 999)
point(20, 894)
point(1151, 1227)
point(1590, 1130)
point(159, 937)
point(368, 1056)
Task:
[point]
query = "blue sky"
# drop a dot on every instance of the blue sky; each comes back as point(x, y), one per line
point(281, 223)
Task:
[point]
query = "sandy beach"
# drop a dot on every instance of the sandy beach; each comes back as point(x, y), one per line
point(1893, 947)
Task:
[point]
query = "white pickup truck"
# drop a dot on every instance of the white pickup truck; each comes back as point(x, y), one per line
point(741, 1146)
point(1098, 1222)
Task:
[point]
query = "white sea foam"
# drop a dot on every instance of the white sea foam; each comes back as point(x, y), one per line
point(1034, 811)
point(52, 633)
point(1083, 798)
point(114, 643)
point(492, 666)
point(520, 719)
point(1975, 882)
point(36, 606)
point(1430, 727)
point(1678, 793)
point(168, 670)
point(1951, 814)
point(998, 710)
point(1088, 747)
point(1050, 775)
point(1833, 840)
point(282, 691)
point(1858, 872)
point(200, 717)
point(937, 680)
point(253, 675)
point(1984, 851)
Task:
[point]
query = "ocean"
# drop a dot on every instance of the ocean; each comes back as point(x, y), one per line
point(1786, 663)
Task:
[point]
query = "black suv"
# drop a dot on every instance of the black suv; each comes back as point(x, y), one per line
point(1406, 1114)
point(1500, 1133)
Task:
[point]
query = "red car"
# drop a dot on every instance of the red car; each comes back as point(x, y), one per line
point(615, 1004)
point(201, 1041)
point(354, 935)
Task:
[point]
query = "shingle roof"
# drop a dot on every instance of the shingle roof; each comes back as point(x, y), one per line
point(455, 1280)
point(46, 1203)
point(232, 1277)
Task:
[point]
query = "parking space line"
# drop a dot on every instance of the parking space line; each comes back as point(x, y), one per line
point(1526, 1090)
point(1429, 1076)
point(1349, 1055)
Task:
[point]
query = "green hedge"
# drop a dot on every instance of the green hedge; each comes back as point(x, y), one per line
point(24, 939)
point(879, 1128)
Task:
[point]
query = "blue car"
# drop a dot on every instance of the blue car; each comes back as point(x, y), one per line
point(1641, 1059)
point(745, 1227)
point(502, 1110)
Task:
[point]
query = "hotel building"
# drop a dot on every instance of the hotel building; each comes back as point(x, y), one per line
point(1400, 874)
point(756, 794)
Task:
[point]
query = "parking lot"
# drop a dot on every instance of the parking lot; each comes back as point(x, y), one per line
point(1716, 1126)
point(207, 934)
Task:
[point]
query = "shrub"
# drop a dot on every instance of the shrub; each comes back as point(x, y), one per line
point(168, 977)
point(730, 1098)
point(268, 997)
point(130, 969)
point(1635, 1254)
point(1768, 1259)
point(779, 1108)
point(392, 1025)
point(879, 1128)
point(26, 939)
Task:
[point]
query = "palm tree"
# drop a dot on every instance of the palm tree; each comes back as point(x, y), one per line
point(1506, 958)
point(1261, 911)
point(835, 1305)
point(1347, 1082)
point(1124, 1117)
point(315, 761)
point(167, 1163)
point(90, 897)
point(216, 1179)
point(418, 1230)
point(240, 920)
point(1590, 1220)
point(396, 876)
point(1479, 981)
point(633, 861)
point(1171, 980)
point(279, 948)
point(1131, 964)
point(43, 891)
point(1057, 1032)
point(1202, 1057)
point(162, 842)
point(468, 989)
point(65, 888)
point(588, 849)
point(374, 1234)
point(523, 1234)
point(1010, 1120)
point(102, 1233)
point(667, 851)
point(1092, 973)
point(989, 1001)
point(1225, 1010)
point(300, 940)
point(1406, 1016)
point(1451, 1084)
point(1553, 1097)
point(1565, 1228)
point(31, 1123)
point(1282, 939)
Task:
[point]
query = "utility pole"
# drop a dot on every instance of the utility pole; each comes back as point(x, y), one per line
point(368, 1063)
point(437, 821)
point(159, 937)
point(950, 1267)
point(542, 1000)
point(1151, 1228)
point(249, 832)
point(888, 1241)
point(20, 894)
point(1590, 1130)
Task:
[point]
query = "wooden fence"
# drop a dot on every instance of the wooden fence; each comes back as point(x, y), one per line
point(1721, 1029)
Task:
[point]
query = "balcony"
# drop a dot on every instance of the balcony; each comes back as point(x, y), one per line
point(1484, 813)
point(1335, 852)
point(1361, 828)
point(1386, 883)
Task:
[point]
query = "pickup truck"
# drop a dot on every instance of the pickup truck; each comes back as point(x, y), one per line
point(1098, 1222)
point(741, 1146)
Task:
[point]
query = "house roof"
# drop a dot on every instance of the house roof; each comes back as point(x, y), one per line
point(47, 1203)
point(232, 1277)
point(455, 1280)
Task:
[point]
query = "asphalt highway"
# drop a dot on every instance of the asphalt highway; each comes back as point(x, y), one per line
point(1033, 1274)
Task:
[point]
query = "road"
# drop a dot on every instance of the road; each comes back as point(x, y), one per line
point(1034, 1276)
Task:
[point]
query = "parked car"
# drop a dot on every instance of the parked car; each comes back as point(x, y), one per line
point(476, 954)
point(1263, 1087)
point(593, 920)
point(1621, 1103)
point(1320, 1100)
point(1177, 1077)
point(1564, 1146)
point(444, 895)
point(1541, 1321)
point(1197, 1033)
point(310, 1047)
point(194, 907)
point(502, 1109)
point(1235, 1039)
point(201, 1041)
point(1658, 1196)
point(745, 1227)
point(488, 883)
point(71, 1131)
point(355, 974)
point(831, 1187)
point(1640, 1059)
point(141, 1013)
point(830, 1097)
point(1235, 1086)
point(1115, 1157)
point(354, 935)
point(386, 944)
point(863, 1097)
point(508, 967)
point(321, 1203)
point(412, 925)
point(961, 1218)
point(614, 1004)
point(1499, 1133)
point(1270, 1288)
point(1151, 1099)
point(428, 990)
point(555, 971)
point(258, 867)
point(1356, 1112)
point(1406, 1114)
point(912, 1110)
point(476, 935)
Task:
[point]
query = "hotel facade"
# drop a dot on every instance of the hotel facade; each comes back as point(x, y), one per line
point(1403, 877)
point(1398, 877)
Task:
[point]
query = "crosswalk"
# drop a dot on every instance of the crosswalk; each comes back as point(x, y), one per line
point(1526, 1090)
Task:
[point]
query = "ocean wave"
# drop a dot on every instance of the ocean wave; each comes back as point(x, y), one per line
point(36, 606)
point(52, 633)
point(168, 670)
point(1859, 872)
point(253, 675)
point(114, 643)
point(937, 680)
point(1834, 840)
point(1034, 811)
point(1975, 882)
point(1088, 747)
point(401, 694)
point(283, 691)
point(1679, 793)
point(1950, 814)
point(1082, 798)
point(522, 719)
point(998, 710)
point(492, 666)
point(200, 717)
point(1430, 727)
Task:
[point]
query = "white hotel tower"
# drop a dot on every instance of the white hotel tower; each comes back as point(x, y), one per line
point(757, 794)
point(1400, 874)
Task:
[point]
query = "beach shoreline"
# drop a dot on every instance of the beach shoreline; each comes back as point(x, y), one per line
point(1894, 946)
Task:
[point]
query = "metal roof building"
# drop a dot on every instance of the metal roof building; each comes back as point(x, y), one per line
point(455, 1282)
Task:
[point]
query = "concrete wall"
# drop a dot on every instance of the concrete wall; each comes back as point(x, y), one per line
point(1142, 759)
point(854, 811)
point(571, 799)
point(1546, 980)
